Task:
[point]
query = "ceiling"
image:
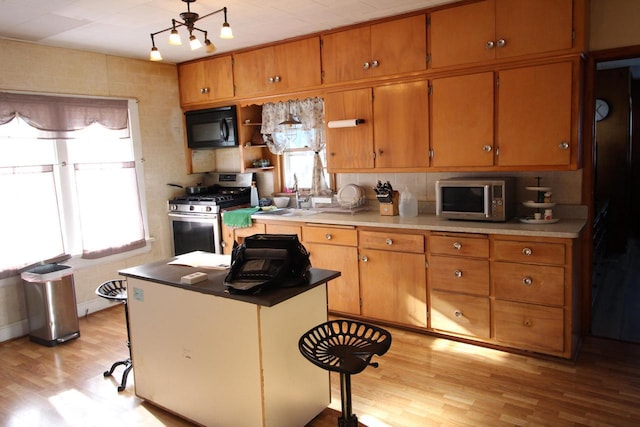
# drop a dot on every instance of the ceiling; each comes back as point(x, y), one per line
point(123, 27)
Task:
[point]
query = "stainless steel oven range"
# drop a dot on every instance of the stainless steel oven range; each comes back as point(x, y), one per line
point(196, 218)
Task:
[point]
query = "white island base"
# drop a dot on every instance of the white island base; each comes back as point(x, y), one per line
point(221, 362)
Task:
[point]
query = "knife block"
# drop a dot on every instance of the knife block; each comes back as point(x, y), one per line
point(390, 209)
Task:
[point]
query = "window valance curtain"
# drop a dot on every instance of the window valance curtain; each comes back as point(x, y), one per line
point(59, 116)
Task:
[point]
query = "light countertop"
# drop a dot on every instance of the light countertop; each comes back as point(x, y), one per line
point(564, 228)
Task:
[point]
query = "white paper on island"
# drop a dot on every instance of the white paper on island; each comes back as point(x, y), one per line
point(203, 259)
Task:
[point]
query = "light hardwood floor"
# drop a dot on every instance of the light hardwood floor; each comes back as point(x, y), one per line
point(421, 381)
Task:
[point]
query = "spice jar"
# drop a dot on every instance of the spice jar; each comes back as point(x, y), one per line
point(548, 214)
point(547, 197)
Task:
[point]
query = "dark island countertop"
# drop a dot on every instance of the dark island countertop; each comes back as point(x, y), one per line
point(170, 274)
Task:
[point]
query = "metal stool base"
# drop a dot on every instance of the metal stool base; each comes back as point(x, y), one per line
point(125, 374)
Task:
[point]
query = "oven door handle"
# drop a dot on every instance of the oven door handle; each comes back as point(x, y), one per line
point(193, 216)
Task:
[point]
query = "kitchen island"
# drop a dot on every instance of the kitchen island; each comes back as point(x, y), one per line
point(220, 359)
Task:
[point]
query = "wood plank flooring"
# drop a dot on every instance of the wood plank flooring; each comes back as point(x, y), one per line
point(421, 381)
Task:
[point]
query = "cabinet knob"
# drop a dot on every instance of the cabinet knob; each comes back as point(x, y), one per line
point(501, 43)
point(270, 79)
point(328, 236)
point(204, 90)
point(564, 145)
point(490, 44)
point(527, 281)
point(375, 63)
point(527, 322)
point(389, 242)
point(527, 251)
point(458, 313)
point(274, 79)
point(487, 148)
point(457, 273)
point(365, 259)
point(223, 244)
point(277, 79)
point(366, 65)
point(457, 246)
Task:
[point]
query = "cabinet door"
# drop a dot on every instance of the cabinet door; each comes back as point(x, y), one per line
point(207, 80)
point(460, 314)
point(344, 291)
point(297, 64)
point(344, 54)
point(349, 148)
point(459, 35)
point(393, 286)
point(401, 125)
point(409, 33)
point(252, 70)
point(534, 115)
point(284, 229)
point(518, 24)
point(462, 120)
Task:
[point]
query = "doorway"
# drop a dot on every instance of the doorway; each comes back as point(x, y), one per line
point(615, 299)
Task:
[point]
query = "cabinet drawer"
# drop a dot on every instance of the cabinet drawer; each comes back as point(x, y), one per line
point(523, 251)
point(459, 246)
point(387, 241)
point(529, 326)
point(330, 235)
point(460, 314)
point(468, 276)
point(539, 284)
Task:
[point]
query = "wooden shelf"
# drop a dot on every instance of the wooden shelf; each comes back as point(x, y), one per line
point(258, 169)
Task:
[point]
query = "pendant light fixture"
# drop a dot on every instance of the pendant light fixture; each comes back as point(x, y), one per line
point(290, 127)
point(189, 20)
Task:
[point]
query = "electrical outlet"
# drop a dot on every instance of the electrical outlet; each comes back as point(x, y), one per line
point(138, 294)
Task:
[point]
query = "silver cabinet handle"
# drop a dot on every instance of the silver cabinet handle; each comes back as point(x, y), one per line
point(271, 79)
point(375, 63)
point(223, 244)
point(204, 90)
point(490, 44)
point(564, 145)
point(527, 251)
point(458, 313)
point(457, 246)
point(501, 43)
point(457, 273)
point(277, 79)
point(365, 259)
point(328, 236)
point(366, 65)
point(487, 148)
point(389, 242)
point(527, 281)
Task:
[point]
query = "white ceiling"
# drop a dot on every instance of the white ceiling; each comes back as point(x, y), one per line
point(123, 27)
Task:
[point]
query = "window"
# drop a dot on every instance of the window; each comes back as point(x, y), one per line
point(76, 195)
point(298, 161)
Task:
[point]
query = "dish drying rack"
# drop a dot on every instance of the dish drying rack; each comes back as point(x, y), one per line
point(332, 204)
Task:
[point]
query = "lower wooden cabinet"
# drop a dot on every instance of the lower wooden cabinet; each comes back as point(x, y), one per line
point(460, 314)
point(529, 326)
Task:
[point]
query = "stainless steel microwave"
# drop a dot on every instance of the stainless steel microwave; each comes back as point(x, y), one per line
point(476, 199)
point(212, 128)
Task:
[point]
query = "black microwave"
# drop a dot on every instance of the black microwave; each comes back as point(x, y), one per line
point(212, 128)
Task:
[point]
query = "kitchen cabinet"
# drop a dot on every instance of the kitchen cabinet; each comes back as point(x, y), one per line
point(458, 277)
point(395, 132)
point(383, 49)
point(393, 278)
point(503, 29)
point(534, 125)
point(206, 81)
point(531, 280)
point(278, 68)
point(336, 246)
point(231, 235)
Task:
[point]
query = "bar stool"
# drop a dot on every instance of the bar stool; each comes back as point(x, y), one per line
point(346, 347)
point(116, 290)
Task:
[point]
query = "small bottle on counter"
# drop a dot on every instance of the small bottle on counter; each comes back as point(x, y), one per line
point(547, 197)
point(255, 200)
point(548, 214)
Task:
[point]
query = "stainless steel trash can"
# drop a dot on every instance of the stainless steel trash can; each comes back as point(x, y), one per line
point(51, 304)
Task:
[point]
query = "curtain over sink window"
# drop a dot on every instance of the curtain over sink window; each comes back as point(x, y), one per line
point(69, 179)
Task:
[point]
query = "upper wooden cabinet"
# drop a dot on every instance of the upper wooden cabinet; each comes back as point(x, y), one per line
point(496, 29)
point(278, 68)
point(206, 81)
point(383, 49)
point(395, 132)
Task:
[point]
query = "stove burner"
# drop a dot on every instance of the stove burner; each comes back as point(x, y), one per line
point(211, 202)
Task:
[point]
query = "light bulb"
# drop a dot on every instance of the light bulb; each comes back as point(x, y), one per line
point(155, 54)
point(174, 38)
point(194, 42)
point(209, 47)
point(225, 31)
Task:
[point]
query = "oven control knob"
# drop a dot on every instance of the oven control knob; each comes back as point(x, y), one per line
point(173, 207)
point(208, 209)
point(192, 208)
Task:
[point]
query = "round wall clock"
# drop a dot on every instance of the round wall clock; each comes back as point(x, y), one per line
point(602, 109)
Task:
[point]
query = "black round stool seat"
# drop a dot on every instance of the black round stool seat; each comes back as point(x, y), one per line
point(346, 347)
point(113, 290)
point(116, 290)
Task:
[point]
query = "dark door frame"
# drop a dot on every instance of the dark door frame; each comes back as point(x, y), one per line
point(588, 159)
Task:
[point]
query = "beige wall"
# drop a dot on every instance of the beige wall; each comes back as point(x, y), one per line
point(34, 68)
point(614, 23)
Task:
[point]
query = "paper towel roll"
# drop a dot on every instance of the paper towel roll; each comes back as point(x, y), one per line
point(344, 123)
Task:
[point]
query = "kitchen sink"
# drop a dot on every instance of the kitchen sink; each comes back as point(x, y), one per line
point(289, 212)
